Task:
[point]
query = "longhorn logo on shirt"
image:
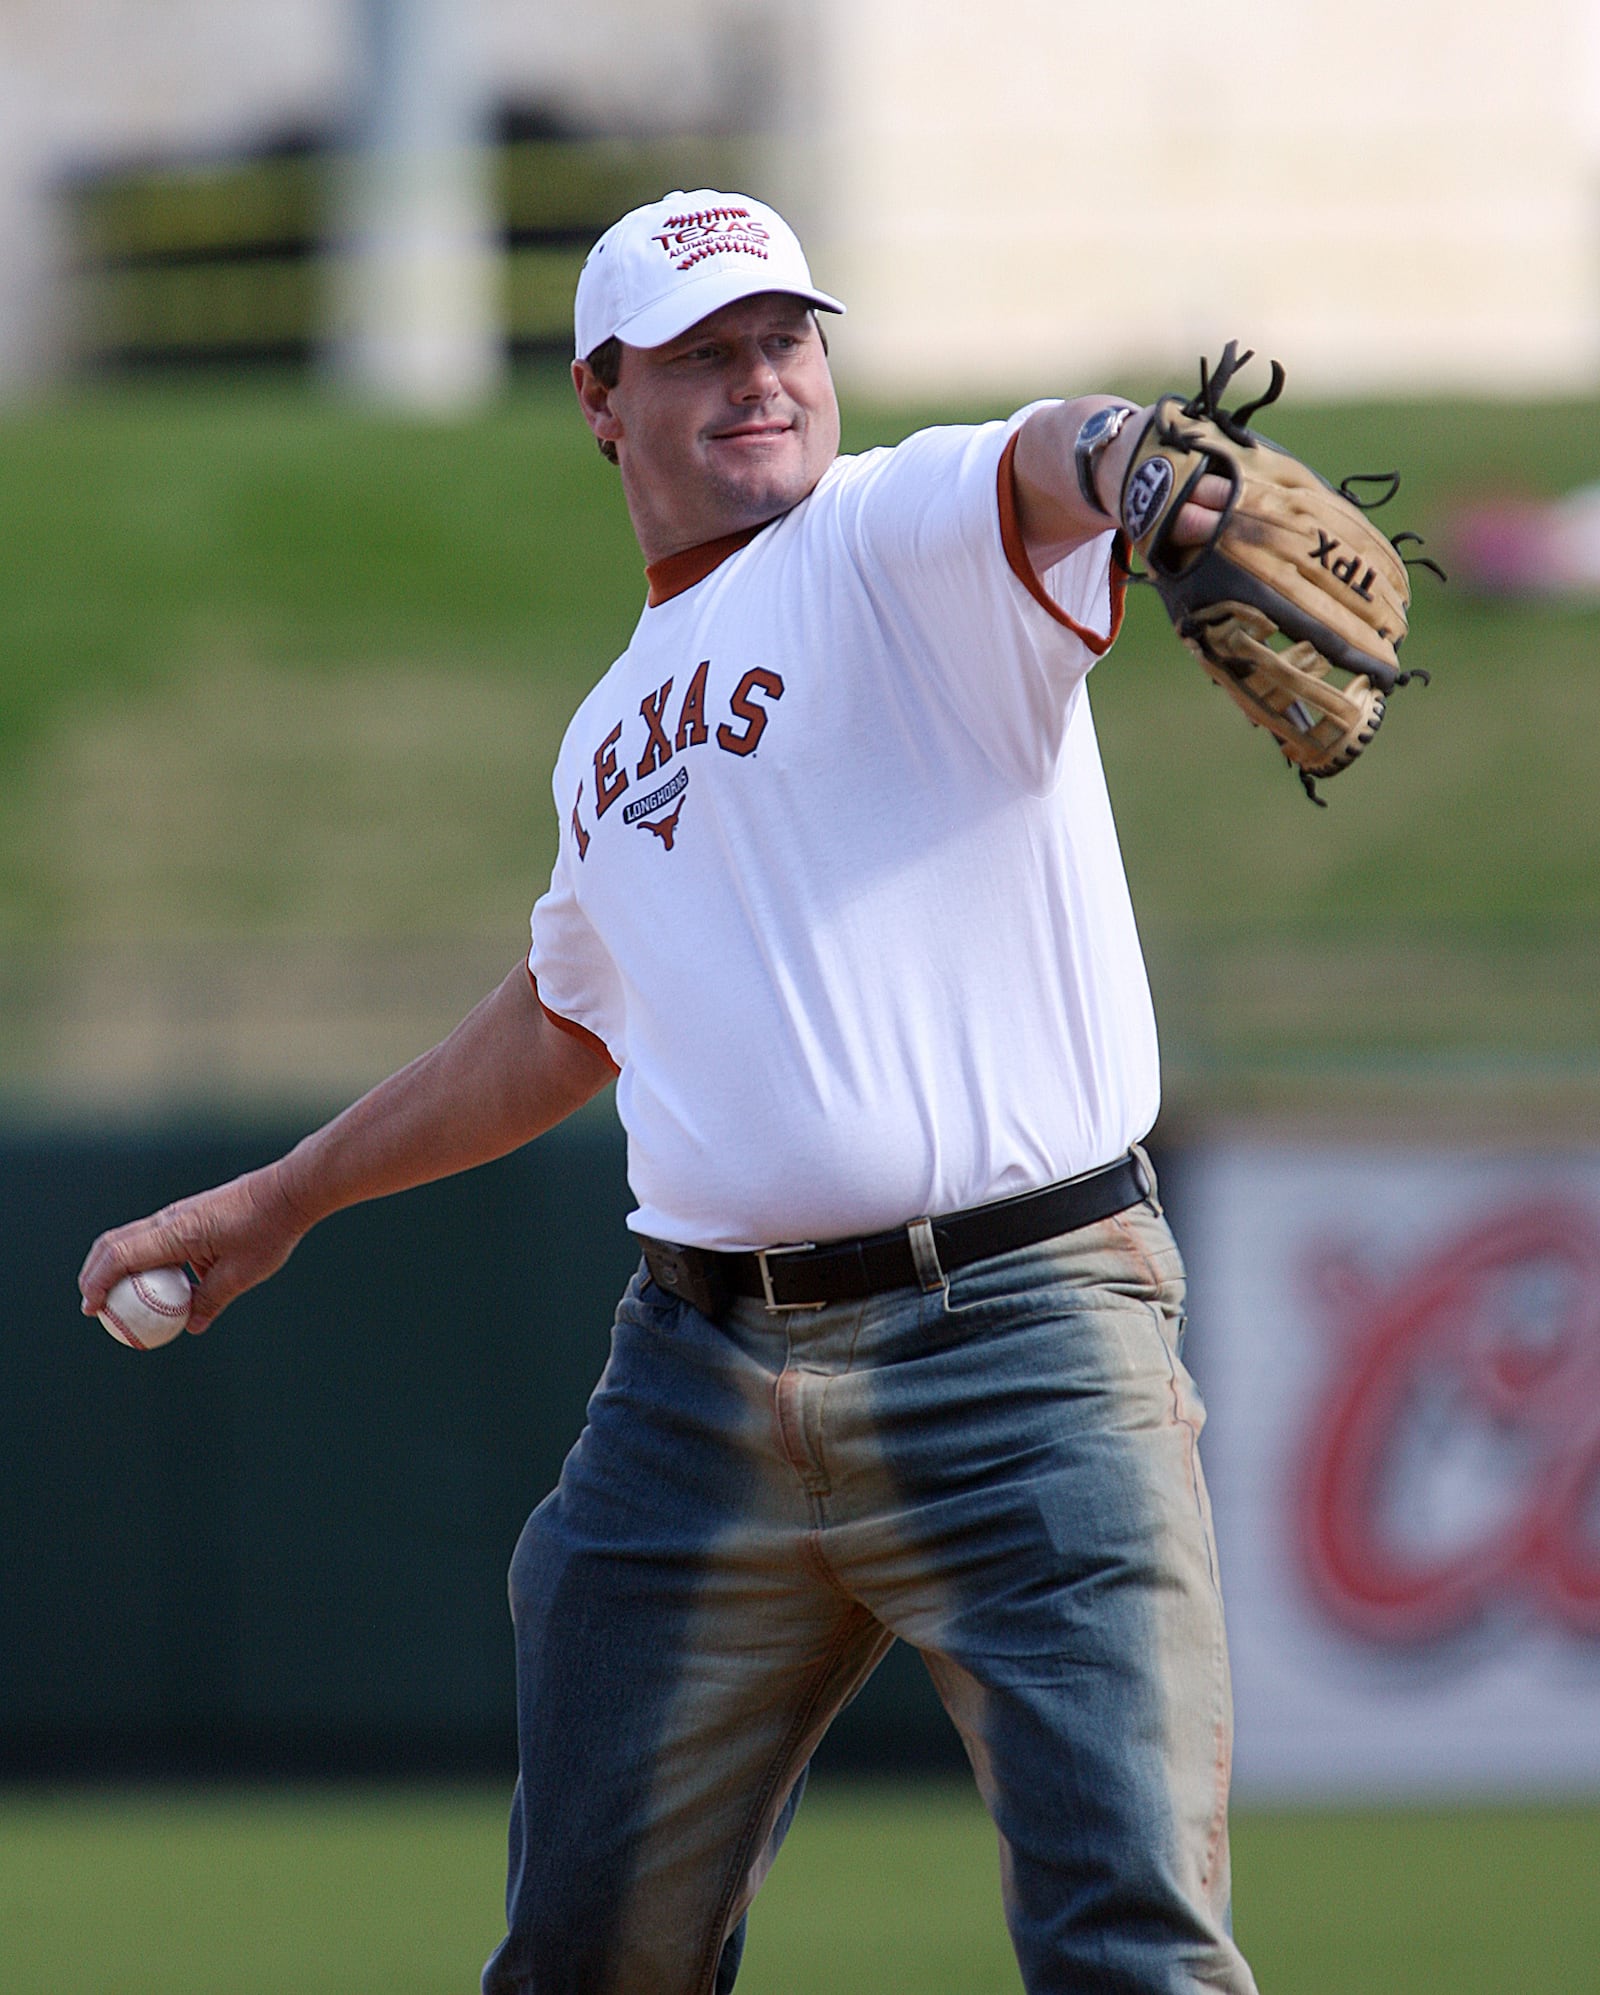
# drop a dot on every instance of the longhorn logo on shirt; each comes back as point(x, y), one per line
point(665, 828)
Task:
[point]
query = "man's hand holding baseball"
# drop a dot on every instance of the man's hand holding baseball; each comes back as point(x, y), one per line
point(232, 1237)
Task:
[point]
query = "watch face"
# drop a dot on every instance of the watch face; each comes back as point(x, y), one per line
point(1096, 432)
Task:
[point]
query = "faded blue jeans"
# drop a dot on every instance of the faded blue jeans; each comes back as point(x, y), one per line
point(1003, 1473)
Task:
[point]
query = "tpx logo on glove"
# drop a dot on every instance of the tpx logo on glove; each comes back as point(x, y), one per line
point(1146, 495)
point(1345, 570)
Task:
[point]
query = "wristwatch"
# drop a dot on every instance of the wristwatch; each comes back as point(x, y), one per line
point(1096, 437)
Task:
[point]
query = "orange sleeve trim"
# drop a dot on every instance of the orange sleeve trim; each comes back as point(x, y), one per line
point(1022, 567)
point(571, 1026)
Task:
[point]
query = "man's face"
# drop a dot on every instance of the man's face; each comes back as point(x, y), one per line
point(723, 428)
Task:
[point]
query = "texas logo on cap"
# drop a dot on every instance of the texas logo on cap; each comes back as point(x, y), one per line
point(666, 266)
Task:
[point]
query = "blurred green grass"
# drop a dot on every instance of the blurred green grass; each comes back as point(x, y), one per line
point(881, 1890)
point(346, 646)
point(152, 531)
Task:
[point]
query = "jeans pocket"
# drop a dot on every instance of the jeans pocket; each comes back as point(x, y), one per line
point(1132, 1254)
point(647, 1305)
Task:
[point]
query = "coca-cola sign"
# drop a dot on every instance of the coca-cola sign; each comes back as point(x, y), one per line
point(1454, 1459)
point(1400, 1354)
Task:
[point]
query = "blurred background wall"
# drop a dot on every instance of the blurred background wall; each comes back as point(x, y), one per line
point(307, 559)
point(129, 116)
point(1402, 194)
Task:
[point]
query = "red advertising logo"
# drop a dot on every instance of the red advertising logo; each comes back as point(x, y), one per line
point(1455, 1464)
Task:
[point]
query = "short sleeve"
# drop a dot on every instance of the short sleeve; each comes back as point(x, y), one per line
point(934, 532)
point(574, 977)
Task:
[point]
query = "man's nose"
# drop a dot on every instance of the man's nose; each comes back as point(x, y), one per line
point(754, 376)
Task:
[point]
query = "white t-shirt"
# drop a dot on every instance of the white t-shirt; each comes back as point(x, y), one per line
point(838, 888)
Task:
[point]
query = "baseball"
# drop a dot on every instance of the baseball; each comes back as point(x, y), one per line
point(148, 1309)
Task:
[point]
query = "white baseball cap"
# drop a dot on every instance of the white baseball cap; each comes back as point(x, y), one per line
point(666, 266)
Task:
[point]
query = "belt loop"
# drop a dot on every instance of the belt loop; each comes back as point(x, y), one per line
point(688, 1276)
point(925, 1255)
point(1145, 1172)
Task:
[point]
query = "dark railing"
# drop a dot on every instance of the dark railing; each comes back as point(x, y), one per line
point(180, 264)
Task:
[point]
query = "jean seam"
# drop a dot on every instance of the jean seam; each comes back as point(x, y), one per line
point(822, 1405)
point(1219, 1725)
point(1139, 1251)
point(1220, 1756)
point(746, 1847)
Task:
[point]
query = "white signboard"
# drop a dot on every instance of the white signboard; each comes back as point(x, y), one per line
point(1400, 1351)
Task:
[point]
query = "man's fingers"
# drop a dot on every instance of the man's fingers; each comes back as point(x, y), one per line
point(1194, 525)
point(183, 1234)
point(133, 1248)
point(1198, 518)
point(125, 1251)
point(211, 1295)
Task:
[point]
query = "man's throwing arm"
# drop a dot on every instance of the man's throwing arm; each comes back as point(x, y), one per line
point(504, 1076)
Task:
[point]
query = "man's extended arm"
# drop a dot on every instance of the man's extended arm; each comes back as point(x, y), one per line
point(502, 1077)
point(1051, 509)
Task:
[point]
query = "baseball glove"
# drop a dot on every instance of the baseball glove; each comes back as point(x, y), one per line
point(1295, 585)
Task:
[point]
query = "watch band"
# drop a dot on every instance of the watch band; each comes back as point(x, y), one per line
point(1098, 433)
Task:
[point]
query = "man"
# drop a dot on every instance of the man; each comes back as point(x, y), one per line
point(838, 902)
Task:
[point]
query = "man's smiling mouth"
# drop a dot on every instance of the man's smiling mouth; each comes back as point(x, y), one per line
point(752, 433)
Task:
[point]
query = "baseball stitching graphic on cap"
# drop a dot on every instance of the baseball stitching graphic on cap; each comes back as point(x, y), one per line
point(710, 232)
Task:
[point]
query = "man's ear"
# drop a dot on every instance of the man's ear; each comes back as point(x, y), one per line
point(594, 398)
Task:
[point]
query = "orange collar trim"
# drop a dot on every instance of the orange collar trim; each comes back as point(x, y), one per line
point(674, 573)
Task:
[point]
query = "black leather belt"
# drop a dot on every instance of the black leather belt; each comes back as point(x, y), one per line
point(918, 1255)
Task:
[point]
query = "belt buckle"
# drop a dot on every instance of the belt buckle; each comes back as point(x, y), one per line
point(763, 1256)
